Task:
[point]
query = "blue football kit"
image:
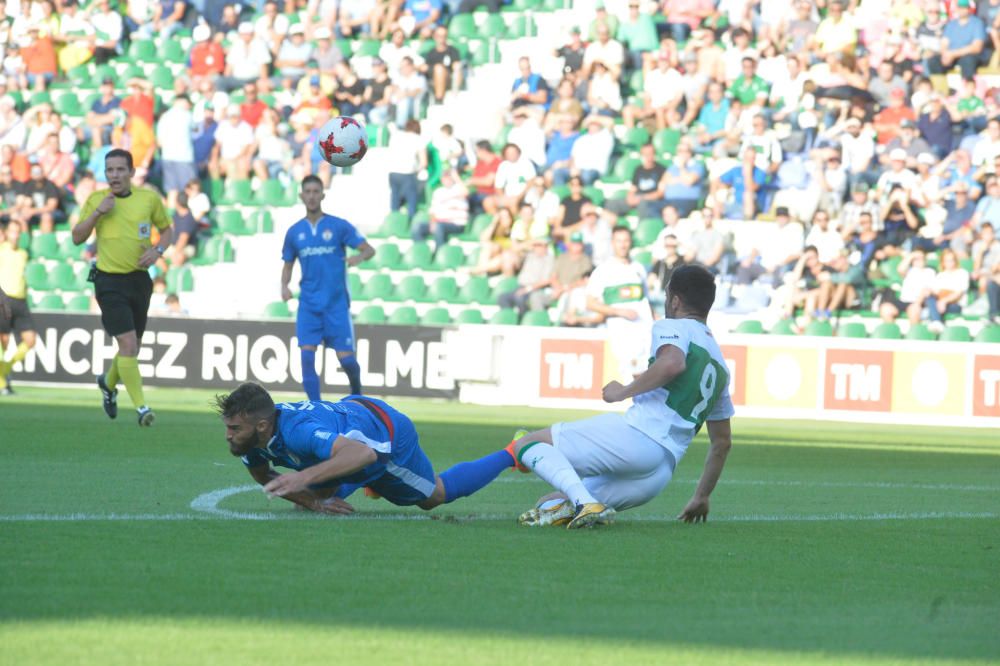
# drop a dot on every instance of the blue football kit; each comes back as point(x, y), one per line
point(324, 313)
point(304, 434)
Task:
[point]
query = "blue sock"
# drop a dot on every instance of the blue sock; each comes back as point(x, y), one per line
point(467, 477)
point(310, 380)
point(353, 371)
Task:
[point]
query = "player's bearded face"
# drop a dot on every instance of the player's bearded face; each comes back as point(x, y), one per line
point(243, 436)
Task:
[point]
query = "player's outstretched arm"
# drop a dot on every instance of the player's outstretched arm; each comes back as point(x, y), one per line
point(346, 457)
point(670, 362)
point(365, 252)
point(720, 441)
point(307, 499)
point(286, 277)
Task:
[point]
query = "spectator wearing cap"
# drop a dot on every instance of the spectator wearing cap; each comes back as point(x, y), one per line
point(836, 33)
point(746, 182)
point(602, 17)
point(234, 146)
point(379, 93)
point(247, 60)
point(963, 43)
point(859, 204)
point(448, 213)
point(409, 88)
point(443, 65)
point(926, 191)
point(605, 50)
point(896, 175)
point(935, 126)
point(293, 55)
point(271, 27)
point(349, 97)
point(909, 141)
point(886, 79)
point(590, 155)
point(888, 120)
point(534, 279)
point(326, 53)
point(529, 136)
point(109, 29)
point(173, 134)
point(208, 58)
point(662, 94)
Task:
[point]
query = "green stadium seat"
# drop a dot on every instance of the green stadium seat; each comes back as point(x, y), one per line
point(51, 302)
point(920, 332)
point(70, 250)
point(956, 334)
point(636, 137)
point(449, 258)
point(237, 191)
point(214, 188)
point(536, 318)
point(355, 287)
point(395, 225)
point(474, 229)
point(277, 310)
point(988, 334)
point(37, 276)
point(887, 331)
point(643, 257)
point(378, 135)
point(783, 327)
point(595, 194)
point(82, 273)
point(520, 26)
point(388, 257)
point(371, 314)
point(476, 290)
point(494, 26)
point(162, 78)
point(419, 257)
point(40, 97)
point(271, 193)
point(171, 51)
point(45, 246)
point(78, 303)
point(647, 231)
point(436, 317)
point(231, 222)
point(853, 329)
point(819, 328)
point(62, 277)
point(367, 47)
point(412, 288)
point(504, 317)
point(262, 222)
point(208, 251)
point(665, 140)
point(68, 104)
point(470, 316)
point(502, 286)
point(379, 286)
point(444, 289)
point(405, 315)
point(749, 326)
point(624, 169)
point(635, 82)
point(142, 50)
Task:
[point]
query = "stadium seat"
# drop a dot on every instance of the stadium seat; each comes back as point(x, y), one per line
point(494, 26)
point(68, 104)
point(236, 191)
point(51, 302)
point(355, 287)
point(388, 257)
point(379, 286)
point(887, 331)
point(142, 50)
point(749, 326)
point(449, 258)
point(665, 141)
point(536, 318)
point(504, 317)
point(208, 251)
point(62, 277)
point(412, 288)
point(162, 78)
point(367, 48)
point(476, 290)
point(271, 193)
point(419, 257)
point(44, 246)
point(277, 310)
point(70, 250)
point(378, 135)
point(819, 328)
point(444, 289)
point(78, 303)
point(231, 222)
point(475, 228)
point(636, 137)
point(470, 316)
point(783, 327)
point(595, 194)
point(40, 97)
point(82, 273)
point(214, 188)
point(180, 279)
point(371, 314)
point(171, 51)
point(37, 276)
point(920, 332)
point(988, 334)
point(405, 315)
point(647, 231)
point(624, 169)
point(502, 286)
point(395, 225)
point(436, 317)
point(956, 334)
point(262, 222)
point(643, 257)
point(853, 329)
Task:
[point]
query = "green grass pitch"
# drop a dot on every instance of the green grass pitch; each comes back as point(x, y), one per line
point(827, 543)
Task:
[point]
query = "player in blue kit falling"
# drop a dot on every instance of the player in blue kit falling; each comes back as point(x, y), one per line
point(319, 242)
point(337, 447)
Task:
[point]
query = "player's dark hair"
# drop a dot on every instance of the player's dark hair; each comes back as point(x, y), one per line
point(695, 286)
point(312, 179)
point(124, 154)
point(248, 399)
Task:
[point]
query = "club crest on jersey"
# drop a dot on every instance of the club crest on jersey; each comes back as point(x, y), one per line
point(327, 235)
point(630, 292)
point(145, 229)
point(302, 237)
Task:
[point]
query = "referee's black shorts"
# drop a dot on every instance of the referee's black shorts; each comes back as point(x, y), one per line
point(124, 301)
point(16, 316)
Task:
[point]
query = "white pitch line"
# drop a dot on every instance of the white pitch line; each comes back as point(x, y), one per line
point(883, 485)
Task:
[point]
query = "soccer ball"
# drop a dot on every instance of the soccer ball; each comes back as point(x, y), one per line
point(343, 141)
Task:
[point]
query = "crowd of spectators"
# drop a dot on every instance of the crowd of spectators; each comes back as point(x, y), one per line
point(866, 132)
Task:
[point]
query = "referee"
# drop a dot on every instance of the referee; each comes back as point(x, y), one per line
point(124, 219)
point(15, 317)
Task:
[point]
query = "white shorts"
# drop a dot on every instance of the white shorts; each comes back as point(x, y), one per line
point(620, 466)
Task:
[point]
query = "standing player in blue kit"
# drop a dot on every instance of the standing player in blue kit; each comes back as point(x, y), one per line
point(319, 242)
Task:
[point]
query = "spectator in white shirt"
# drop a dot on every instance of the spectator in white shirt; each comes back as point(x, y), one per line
point(234, 146)
point(108, 26)
point(448, 211)
point(529, 136)
point(271, 27)
point(246, 61)
point(173, 135)
point(828, 243)
point(409, 87)
point(591, 153)
point(606, 50)
point(513, 176)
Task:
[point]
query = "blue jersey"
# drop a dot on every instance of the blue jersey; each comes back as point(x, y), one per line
point(304, 433)
point(322, 253)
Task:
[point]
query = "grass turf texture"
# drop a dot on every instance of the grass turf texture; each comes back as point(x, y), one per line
point(770, 579)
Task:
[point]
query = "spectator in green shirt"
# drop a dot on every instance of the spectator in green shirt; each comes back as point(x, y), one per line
point(601, 17)
point(748, 85)
point(969, 110)
point(638, 34)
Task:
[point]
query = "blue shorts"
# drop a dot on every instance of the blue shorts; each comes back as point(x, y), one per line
point(409, 476)
point(176, 175)
point(332, 327)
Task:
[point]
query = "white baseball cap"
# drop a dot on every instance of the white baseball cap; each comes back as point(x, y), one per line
point(201, 33)
point(898, 154)
point(322, 32)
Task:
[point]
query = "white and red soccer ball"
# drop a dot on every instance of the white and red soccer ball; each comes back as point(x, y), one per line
point(343, 141)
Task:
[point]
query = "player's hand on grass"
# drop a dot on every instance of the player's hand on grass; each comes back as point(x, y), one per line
point(286, 294)
point(614, 392)
point(696, 511)
point(334, 506)
point(286, 484)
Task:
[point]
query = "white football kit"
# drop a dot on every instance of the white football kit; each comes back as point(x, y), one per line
point(624, 286)
point(625, 460)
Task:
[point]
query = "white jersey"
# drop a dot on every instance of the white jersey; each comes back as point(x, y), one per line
point(624, 286)
point(672, 414)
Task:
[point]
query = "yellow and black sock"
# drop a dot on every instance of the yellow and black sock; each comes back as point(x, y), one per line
point(112, 377)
